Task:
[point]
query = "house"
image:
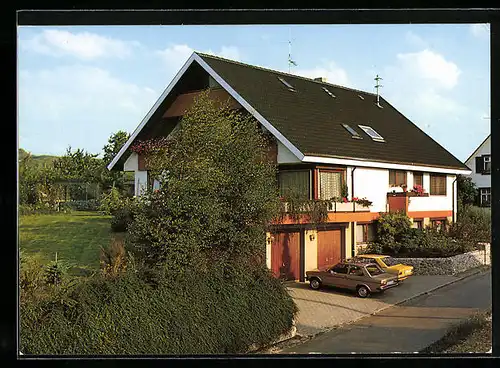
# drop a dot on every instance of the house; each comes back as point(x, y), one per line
point(329, 141)
point(480, 164)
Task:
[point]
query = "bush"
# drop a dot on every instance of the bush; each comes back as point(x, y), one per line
point(84, 205)
point(37, 209)
point(201, 313)
point(473, 225)
point(122, 218)
point(392, 227)
point(111, 202)
point(114, 258)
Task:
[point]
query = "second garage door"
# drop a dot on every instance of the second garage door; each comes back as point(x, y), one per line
point(285, 255)
point(329, 247)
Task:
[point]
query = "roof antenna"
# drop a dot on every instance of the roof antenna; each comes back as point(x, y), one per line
point(377, 86)
point(290, 61)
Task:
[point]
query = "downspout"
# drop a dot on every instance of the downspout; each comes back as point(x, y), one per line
point(453, 200)
point(353, 245)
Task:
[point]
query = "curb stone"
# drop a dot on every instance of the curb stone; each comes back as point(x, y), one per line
point(303, 338)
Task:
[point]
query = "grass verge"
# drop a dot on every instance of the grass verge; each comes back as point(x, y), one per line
point(472, 335)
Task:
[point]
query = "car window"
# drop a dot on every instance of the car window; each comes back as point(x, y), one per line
point(374, 269)
point(355, 271)
point(382, 263)
point(340, 268)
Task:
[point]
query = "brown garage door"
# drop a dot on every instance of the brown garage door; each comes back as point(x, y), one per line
point(329, 247)
point(285, 255)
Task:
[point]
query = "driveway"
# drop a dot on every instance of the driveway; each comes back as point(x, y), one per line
point(328, 308)
point(409, 327)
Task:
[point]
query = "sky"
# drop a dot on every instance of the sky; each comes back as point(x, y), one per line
point(78, 85)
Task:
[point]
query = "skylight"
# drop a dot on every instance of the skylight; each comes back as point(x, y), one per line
point(361, 97)
point(372, 133)
point(354, 133)
point(289, 86)
point(327, 91)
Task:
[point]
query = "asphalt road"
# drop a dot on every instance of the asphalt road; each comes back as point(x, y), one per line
point(406, 328)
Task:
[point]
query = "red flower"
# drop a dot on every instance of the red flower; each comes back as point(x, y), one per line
point(345, 200)
point(355, 199)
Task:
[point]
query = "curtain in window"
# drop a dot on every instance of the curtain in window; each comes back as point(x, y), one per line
point(295, 183)
point(438, 184)
point(330, 184)
point(418, 179)
point(360, 234)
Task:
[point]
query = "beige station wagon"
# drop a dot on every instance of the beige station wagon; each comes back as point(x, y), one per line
point(365, 278)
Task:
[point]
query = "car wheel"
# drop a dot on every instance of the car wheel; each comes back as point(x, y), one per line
point(363, 291)
point(315, 284)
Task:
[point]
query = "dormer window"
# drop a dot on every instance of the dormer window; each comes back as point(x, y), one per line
point(354, 134)
point(288, 85)
point(372, 133)
point(328, 91)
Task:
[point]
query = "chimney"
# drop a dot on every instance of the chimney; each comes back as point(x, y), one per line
point(320, 79)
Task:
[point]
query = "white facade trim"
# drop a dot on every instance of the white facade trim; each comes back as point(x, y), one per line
point(381, 165)
point(150, 113)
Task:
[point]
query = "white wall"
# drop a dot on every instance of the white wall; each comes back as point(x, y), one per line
point(285, 155)
point(132, 163)
point(434, 202)
point(479, 179)
point(372, 184)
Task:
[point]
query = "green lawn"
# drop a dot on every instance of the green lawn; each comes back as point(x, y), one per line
point(76, 237)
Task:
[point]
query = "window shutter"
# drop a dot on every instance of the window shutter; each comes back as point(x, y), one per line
point(479, 165)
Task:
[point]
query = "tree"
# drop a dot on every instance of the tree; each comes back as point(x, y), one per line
point(218, 192)
point(466, 190)
point(115, 143)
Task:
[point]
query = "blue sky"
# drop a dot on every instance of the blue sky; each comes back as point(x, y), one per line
point(77, 85)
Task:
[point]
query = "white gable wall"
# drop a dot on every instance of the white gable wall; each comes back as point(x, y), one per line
point(285, 156)
point(481, 181)
point(372, 184)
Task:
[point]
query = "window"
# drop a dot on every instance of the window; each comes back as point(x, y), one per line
point(418, 179)
point(327, 91)
point(438, 184)
point(289, 86)
point(483, 164)
point(485, 194)
point(330, 184)
point(295, 183)
point(355, 271)
point(372, 133)
point(397, 178)
point(365, 233)
point(354, 133)
point(439, 224)
point(340, 268)
point(417, 223)
point(373, 269)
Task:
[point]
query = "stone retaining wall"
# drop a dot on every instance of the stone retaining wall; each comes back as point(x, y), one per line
point(448, 265)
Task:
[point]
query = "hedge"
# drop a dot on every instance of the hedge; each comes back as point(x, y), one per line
point(196, 314)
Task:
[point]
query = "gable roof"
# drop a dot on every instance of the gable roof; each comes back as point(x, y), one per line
point(309, 120)
point(478, 147)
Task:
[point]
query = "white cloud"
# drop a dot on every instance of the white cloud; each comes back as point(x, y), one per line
point(84, 45)
point(333, 74)
point(480, 30)
point(415, 40)
point(431, 66)
point(77, 105)
point(175, 56)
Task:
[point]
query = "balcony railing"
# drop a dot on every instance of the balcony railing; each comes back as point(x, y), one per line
point(341, 207)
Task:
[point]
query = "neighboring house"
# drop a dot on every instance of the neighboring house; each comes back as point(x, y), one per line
point(480, 164)
point(328, 139)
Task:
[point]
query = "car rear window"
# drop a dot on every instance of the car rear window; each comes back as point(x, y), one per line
point(374, 270)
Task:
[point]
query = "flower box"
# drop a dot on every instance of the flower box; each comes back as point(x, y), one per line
point(359, 208)
point(343, 207)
